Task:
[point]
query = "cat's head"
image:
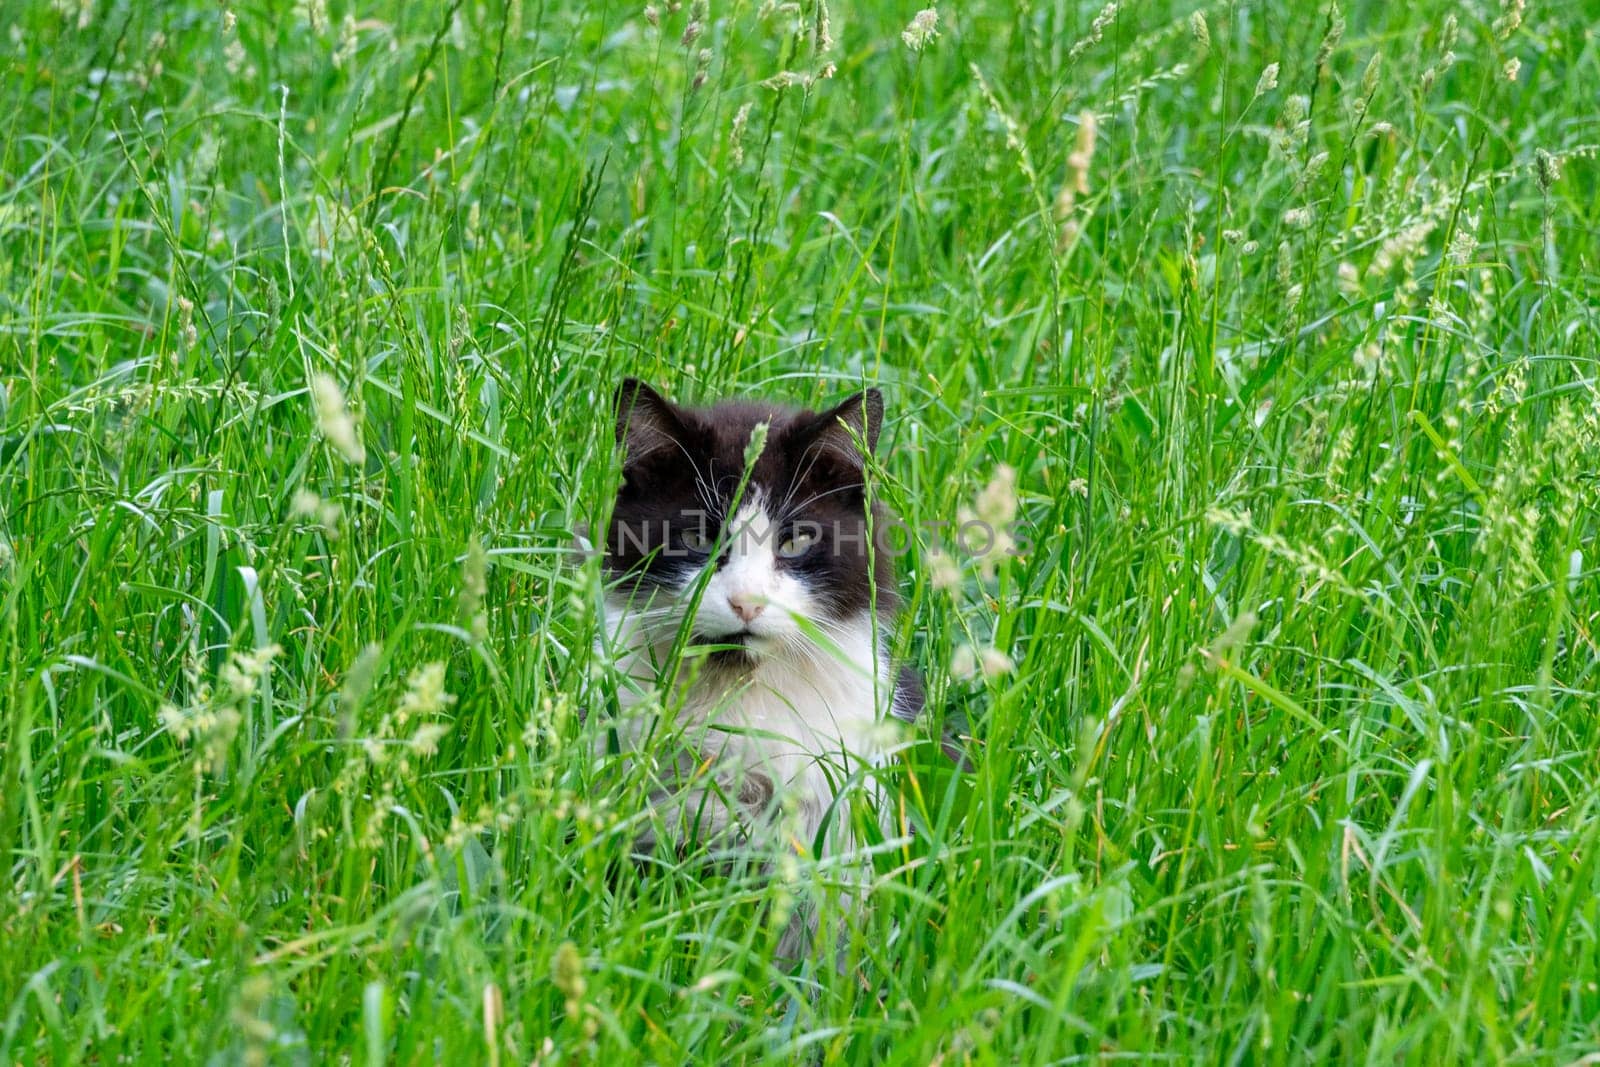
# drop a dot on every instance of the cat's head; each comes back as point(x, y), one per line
point(798, 547)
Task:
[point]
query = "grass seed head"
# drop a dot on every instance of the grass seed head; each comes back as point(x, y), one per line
point(944, 573)
point(1510, 18)
point(334, 419)
point(566, 972)
point(922, 29)
point(741, 119)
point(963, 663)
point(348, 41)
point(1268, 80)
point(1369, 76)
point(1547, 169)
point(424, 695)
point(1097, 30)
point(1331, 37)
point(822, 36)
point(997, 503)
point(995, 663)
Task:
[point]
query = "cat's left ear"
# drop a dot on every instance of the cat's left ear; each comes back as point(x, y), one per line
point(858, 418)
point(646, 422)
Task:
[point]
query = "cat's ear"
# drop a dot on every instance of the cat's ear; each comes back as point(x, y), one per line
point(646, 421)
point(858, 418)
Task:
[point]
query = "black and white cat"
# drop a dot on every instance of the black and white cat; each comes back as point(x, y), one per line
point(782, 574)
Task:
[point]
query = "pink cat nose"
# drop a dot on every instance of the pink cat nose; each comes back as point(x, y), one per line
point(745, 605)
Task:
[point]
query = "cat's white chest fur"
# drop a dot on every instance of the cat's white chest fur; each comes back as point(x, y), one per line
point(799, 723)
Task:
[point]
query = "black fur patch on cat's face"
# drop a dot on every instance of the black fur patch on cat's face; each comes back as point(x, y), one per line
point(682, 466)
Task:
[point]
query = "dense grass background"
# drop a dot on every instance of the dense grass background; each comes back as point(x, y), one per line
point(1299, 755)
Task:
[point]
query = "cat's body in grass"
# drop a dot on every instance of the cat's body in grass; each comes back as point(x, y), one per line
point(781, 577)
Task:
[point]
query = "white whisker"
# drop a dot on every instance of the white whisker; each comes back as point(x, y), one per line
point(818, 496)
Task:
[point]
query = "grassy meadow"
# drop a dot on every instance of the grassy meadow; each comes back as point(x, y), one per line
point(1271, 328)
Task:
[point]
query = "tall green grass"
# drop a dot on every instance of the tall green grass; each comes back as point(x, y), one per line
point(1297, 757)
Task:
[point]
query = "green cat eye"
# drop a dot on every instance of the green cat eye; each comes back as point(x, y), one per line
point(797, 544)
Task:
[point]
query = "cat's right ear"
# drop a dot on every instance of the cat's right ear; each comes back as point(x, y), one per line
point(646, 421)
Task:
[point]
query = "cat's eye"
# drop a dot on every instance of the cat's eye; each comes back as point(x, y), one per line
point(797, 544)
point(695, 541)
